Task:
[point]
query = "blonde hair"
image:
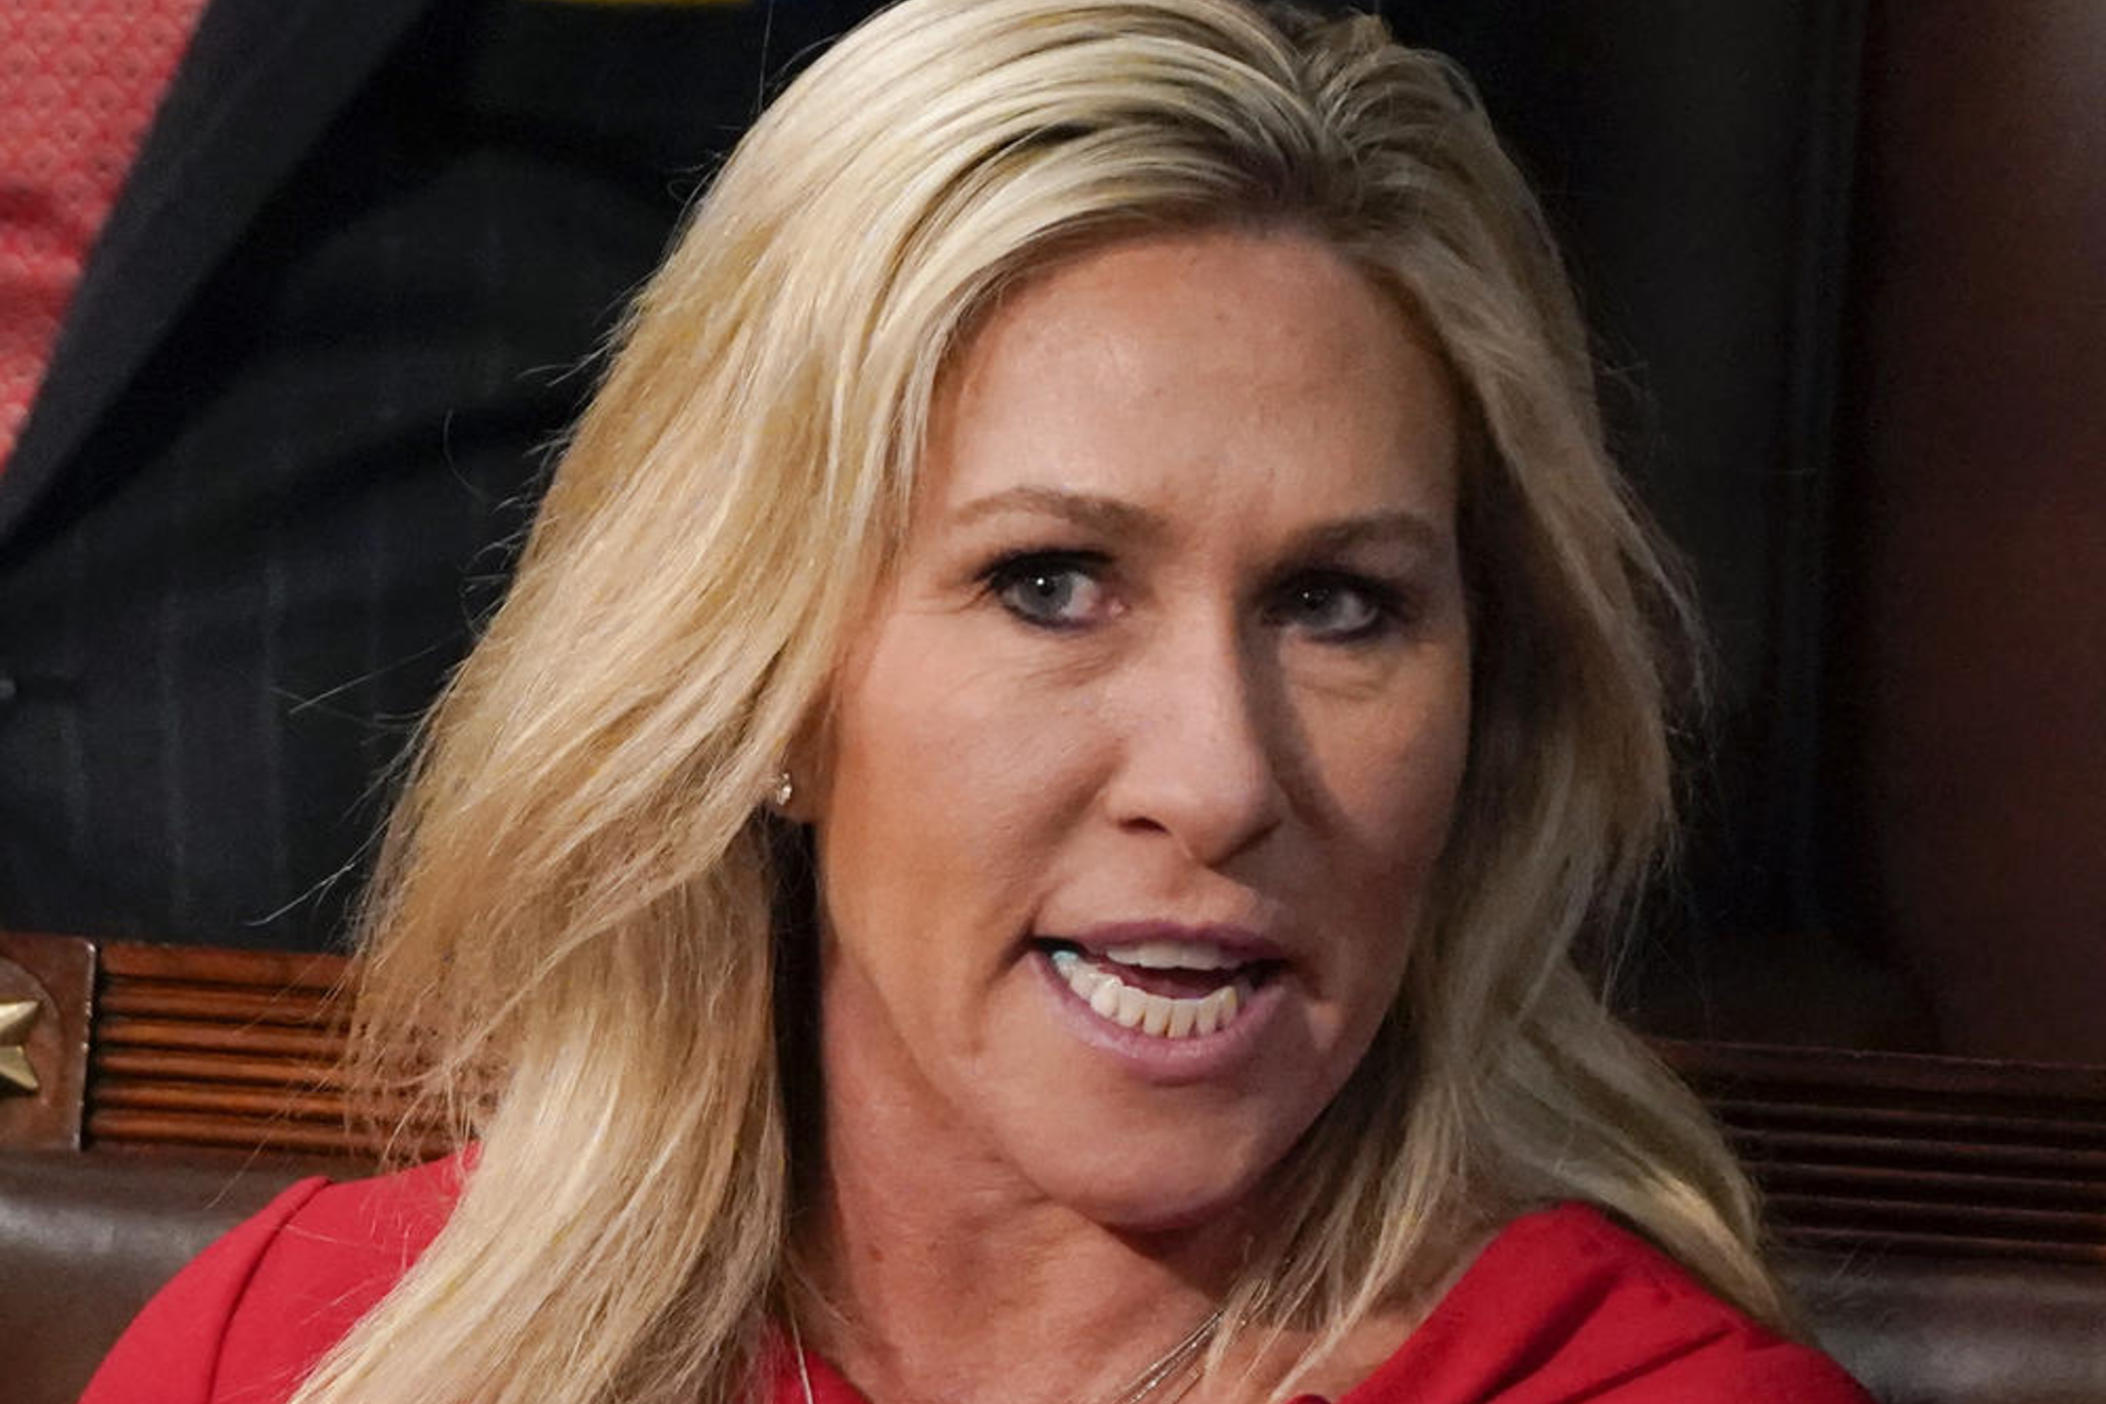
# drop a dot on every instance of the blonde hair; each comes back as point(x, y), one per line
point(572, 936)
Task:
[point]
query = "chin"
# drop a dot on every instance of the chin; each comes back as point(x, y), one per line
point(1158, 1181)
point(1157, 1204)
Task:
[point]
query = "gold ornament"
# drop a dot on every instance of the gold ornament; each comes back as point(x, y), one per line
point(17, 1018)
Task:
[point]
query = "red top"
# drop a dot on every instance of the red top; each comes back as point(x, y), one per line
point(1562, 1307)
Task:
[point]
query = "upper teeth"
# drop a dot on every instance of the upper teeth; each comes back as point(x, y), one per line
point(1173, 955)
point(1134, 1008)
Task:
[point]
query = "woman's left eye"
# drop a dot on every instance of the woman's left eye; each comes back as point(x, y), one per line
point(1340, 608)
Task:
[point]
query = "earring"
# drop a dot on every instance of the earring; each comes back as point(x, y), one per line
point(783, 791)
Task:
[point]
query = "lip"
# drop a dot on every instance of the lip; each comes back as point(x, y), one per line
point(1169, 1062)
point(1241, 942)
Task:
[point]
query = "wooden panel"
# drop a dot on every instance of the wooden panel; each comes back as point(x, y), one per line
point(207, 1049)
point(158, 1063)
point(1973, 595)
point(285, 1135)
point(217, 1034)
point(133, 1094)
point(47, 984)
point(127, 962)
point(163, 999)
point(1900, 1153)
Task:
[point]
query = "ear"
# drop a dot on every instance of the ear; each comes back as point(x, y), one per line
point(807, 764)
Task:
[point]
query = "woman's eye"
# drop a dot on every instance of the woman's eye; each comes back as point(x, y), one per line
point(1052, 591)
point(1337, 608)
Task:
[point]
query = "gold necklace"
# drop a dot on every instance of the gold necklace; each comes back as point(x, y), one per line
point(1171, 1367)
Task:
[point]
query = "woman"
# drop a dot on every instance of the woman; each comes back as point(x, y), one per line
point(1020, 833)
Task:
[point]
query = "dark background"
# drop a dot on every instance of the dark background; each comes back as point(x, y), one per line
point(1847, 266)
point(1844, 263)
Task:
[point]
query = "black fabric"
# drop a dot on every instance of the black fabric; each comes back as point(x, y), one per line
point(296, 421)
point(259, 80)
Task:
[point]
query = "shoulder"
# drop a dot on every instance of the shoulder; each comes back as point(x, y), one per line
point(1565, 1305)
point(248, 1318)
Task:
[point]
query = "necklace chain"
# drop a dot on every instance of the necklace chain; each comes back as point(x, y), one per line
point(1172, 1366)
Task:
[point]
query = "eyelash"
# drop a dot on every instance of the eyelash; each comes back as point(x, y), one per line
point(1388, 604)
point(1019, 567)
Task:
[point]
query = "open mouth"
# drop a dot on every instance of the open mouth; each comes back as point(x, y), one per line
point(1162, 988)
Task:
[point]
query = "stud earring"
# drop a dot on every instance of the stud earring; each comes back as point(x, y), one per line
point(783, 790)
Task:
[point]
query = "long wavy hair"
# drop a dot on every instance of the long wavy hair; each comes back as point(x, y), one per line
point(574, 950)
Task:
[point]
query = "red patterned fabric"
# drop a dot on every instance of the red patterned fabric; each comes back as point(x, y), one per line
point(79, 81)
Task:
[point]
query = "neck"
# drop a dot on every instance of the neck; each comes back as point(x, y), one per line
point(931, 1271)
point(934, 1274)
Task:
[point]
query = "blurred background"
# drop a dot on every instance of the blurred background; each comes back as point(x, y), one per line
point(293, 296)
point(1844, 263)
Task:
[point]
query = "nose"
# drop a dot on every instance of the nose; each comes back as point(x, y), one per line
point(1202, 757)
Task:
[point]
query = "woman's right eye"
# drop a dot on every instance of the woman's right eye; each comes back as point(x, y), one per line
point(1050, 590)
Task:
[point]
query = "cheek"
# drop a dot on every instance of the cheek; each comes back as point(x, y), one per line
point(948, 791)
point(1394, 774)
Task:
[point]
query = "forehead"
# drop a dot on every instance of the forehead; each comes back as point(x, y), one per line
point(1192, 364)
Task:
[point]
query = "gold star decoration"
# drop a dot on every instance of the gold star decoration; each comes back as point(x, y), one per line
point(17, 1017)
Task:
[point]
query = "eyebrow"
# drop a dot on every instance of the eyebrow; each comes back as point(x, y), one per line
point(1402, 527)
point(1108, 515)
point(1116, 518)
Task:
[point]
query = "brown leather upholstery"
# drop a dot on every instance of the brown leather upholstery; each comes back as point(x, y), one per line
point(1955, 1331)
point(86, 1239)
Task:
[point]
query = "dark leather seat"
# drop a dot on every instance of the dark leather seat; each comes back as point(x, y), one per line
point(86, 1239)
point(1940, 1330)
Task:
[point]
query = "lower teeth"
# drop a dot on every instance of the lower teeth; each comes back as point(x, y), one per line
point(1130, 1007)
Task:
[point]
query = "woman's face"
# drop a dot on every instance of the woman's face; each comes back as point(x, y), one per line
point(1139, 771)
